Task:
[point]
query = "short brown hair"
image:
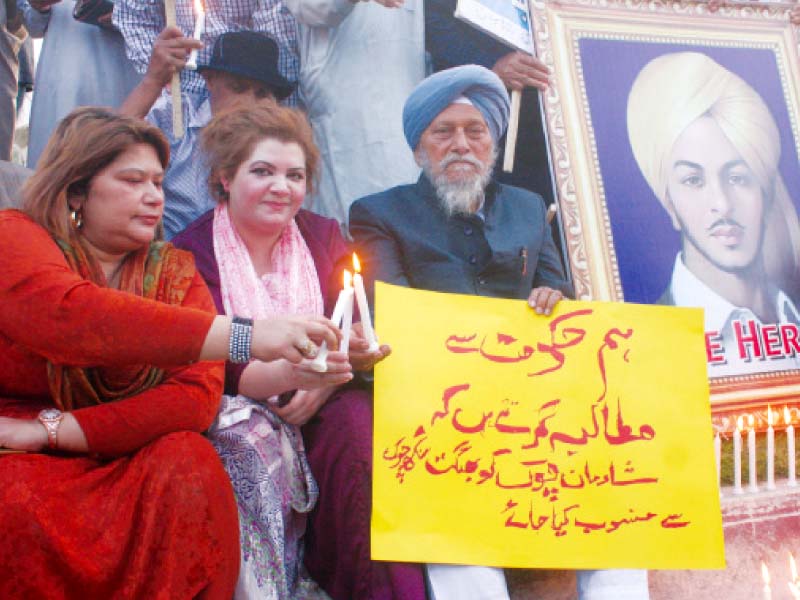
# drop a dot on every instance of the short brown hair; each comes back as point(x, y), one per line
point(85, 142)
point(232, 136)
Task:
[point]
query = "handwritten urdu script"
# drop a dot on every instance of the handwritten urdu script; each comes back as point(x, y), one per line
point(579, 440)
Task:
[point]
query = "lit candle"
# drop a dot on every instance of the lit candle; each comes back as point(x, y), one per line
point(344, 305)
point(717, 458)
point(347, 317)
point(787, 418)
point(793, 567)
point(751, 454)
point(199, 26)
point(737, 457)
point(767, 581)
point(770, 451)
point(363, 307)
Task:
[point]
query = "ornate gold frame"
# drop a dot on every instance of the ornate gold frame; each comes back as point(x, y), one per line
point(558, 27)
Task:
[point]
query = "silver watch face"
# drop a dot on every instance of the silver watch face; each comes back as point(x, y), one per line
point(50, 414)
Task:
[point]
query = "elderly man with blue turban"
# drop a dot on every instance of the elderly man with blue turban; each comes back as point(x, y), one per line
point(454, 230)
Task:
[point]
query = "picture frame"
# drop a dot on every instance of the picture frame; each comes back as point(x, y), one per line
point(622, 240)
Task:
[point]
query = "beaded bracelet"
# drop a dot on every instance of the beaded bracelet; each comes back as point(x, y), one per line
point(240, 340)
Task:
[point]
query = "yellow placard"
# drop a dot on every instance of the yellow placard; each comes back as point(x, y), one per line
point(579, 440)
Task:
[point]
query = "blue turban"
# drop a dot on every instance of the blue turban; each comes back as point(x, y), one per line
point(478, 84)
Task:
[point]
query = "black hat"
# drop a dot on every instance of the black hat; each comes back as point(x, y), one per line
point(252, 55)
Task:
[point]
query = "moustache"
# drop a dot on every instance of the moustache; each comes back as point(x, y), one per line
point(467, 158)
point(725, 222)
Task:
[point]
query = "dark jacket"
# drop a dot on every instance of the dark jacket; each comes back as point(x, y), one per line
point(405, 237)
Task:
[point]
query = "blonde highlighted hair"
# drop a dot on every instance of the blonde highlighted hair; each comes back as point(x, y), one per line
point(232, 136)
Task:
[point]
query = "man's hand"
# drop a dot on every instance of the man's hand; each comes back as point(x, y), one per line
point(170, 51)
point(544, 299)
point(519, 70)
point(43, 6)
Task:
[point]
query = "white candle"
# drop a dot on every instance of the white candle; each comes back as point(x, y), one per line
point(737, 457)
point(199, 27)
point(718, 458)
point(751, 455)
point(347, 323)
point(770, 451)
point(790, 447)
point(343, 303)
point(767, 581)
point(363, 306)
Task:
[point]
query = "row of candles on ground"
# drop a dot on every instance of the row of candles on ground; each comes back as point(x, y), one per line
point(343, 315)
point(751, 453)
point(794, 584)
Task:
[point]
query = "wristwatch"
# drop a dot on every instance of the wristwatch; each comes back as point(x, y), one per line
point(51, 419)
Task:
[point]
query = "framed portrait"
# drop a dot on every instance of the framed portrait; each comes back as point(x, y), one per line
point(673, 136)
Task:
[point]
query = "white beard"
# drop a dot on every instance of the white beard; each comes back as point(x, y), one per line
point(463, 196)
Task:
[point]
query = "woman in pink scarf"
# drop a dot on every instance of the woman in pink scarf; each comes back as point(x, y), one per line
point(261, 255)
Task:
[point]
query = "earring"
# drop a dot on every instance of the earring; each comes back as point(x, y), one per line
point(76, 216)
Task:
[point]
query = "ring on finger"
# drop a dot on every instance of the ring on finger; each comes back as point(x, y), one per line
point(307, 348)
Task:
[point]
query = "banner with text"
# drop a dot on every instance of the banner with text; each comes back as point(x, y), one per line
point(579, 440)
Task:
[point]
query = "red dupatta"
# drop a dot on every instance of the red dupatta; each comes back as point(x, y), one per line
point(158, 272)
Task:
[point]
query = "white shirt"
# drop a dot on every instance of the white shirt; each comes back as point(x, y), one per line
point(720, 315)
point(359, 63)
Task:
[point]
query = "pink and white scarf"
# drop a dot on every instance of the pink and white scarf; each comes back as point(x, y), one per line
point(291, 288)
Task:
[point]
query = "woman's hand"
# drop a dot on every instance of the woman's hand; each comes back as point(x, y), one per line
point(304, 377)
point(292, 338)
point(22, 434)
point(360, 356)
point(544, 299)
point(303, 405)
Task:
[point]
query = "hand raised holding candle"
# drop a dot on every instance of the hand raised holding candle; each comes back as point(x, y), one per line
point(170, 52)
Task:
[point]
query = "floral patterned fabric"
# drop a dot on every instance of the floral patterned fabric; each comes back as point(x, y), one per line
point(263, 455)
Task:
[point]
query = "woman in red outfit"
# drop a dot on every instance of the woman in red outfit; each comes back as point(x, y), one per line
point(115, 494)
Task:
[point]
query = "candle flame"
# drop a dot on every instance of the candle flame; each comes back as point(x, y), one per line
point(356, 263)
point(765, 574)
point(787, 416)
point(739, 424)
point(792, 567)
point(769, 415)
point(751, 420)
point(198, 7)
point(348, 279)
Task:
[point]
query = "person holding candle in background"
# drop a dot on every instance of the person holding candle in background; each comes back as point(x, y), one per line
point(141, 21)
point(243, 68)
point(262, 255)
